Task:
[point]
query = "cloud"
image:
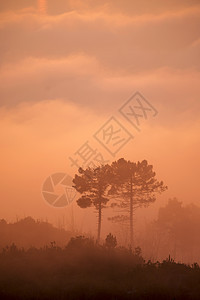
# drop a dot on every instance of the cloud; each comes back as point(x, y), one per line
point(127, 7)
point(82, 81)
point(120, 43)
point(64, 73)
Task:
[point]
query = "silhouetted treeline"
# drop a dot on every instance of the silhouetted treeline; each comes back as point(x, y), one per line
point(176, 231)
point(86, 270)
point(27, 232)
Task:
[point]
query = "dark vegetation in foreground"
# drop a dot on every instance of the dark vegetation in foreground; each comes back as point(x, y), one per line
point(86, 270)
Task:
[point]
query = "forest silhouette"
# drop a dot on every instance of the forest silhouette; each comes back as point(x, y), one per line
point(39, 261)
point(84, 269)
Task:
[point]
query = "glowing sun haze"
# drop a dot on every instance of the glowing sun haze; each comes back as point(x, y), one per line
point(67, 66)
point(42, 6)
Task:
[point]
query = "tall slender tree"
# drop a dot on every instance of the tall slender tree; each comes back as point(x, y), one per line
point(93, 185)
point(134, 185)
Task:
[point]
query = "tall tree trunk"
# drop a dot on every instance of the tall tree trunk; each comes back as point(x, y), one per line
point(99, 222)
point(131, 214)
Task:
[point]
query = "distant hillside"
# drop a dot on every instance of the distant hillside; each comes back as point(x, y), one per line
point(27, 232)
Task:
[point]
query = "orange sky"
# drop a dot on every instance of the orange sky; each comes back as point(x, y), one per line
point(67, 68)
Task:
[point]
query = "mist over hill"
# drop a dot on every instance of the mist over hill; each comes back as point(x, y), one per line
point(28, 232)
